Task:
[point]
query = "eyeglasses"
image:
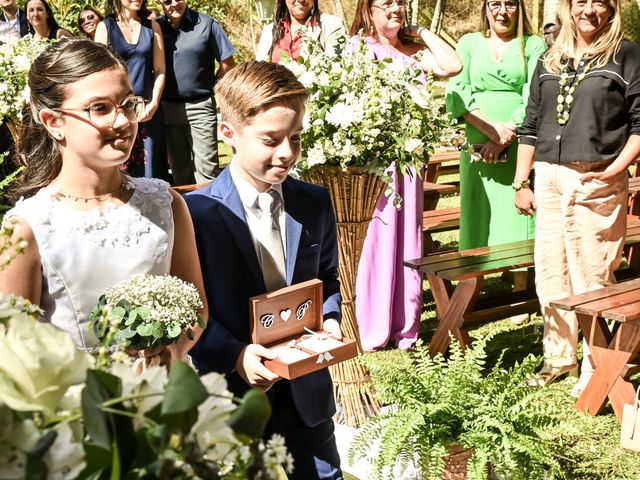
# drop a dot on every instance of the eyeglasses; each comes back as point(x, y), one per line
point(103, 113)
point(388, 6)
point(168, 3)
point(510, 6)
point(86, 19)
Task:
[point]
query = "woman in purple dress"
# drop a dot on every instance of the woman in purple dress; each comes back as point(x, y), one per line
point(389, 296)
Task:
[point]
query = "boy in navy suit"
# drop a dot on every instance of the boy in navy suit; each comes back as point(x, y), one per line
point(258, 230)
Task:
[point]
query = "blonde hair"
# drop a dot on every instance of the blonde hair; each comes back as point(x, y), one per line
point(252, 87)
point(601, 50)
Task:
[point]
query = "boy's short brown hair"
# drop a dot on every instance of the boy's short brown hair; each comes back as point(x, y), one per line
point(251, 87)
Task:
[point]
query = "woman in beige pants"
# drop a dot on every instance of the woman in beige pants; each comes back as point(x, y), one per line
point(583, 130)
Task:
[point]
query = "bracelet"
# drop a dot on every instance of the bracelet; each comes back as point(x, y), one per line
point(517, 186)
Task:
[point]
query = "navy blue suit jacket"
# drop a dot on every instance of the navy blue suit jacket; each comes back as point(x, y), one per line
point(232, 275)
point(22, 21)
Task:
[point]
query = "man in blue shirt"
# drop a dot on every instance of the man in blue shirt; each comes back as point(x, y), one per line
point(193, 42)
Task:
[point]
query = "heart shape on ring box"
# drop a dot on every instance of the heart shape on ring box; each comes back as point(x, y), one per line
point(285, 314)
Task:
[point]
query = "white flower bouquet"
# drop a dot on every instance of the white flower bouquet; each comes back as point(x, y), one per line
point(367, 113)
point(15, 61)
point(62, 419)
point(147, 311)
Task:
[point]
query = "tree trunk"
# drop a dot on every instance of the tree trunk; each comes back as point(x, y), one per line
point(414, 6)
point(550, 11)
point(438, 14)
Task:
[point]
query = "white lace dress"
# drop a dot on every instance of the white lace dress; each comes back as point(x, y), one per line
point(85, 252)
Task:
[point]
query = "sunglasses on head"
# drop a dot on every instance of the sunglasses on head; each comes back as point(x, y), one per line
point(86, 19)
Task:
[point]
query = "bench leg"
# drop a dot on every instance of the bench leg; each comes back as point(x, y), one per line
point(451, 310)
point(609, 356)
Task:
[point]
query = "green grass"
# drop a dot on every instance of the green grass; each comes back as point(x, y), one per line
point(597, 446)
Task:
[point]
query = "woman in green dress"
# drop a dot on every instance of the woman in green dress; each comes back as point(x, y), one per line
point(490, 95)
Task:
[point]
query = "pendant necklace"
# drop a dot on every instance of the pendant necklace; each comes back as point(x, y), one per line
point(566, 91)
point(100, 198)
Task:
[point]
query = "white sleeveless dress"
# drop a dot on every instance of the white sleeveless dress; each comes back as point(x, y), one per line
point(85, 252)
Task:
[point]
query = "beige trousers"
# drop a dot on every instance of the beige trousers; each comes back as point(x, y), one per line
point(580, 229)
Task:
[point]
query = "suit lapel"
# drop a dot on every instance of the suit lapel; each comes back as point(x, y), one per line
point(232, 212)
point(293, 209)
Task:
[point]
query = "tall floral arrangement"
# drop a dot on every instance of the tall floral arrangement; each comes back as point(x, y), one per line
point(367, 113)
point(15, 61)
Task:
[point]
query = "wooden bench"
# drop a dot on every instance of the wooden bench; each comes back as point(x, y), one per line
point(440, 220)
point(611, 350)
point(442, 163)
point(433, 191)
point(458, 307)
point(182, 189)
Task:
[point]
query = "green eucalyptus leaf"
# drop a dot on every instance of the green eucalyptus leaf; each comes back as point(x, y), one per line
point(133, 316)
point(143, 312)
point(201, 322)
point(251, 417)
point(184, 390)
point(144, 329)
point(190, 334)
point(124, 303)
point(118, 312)
point(174, 329)
point(157, 329)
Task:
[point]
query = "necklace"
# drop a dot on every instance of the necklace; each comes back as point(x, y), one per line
point(565, 94)
point(100, 198)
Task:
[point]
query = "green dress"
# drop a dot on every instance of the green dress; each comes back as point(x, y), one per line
point(498, 88)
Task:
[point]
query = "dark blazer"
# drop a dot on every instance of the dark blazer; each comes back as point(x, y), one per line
point(22, 19)
point(232, 275)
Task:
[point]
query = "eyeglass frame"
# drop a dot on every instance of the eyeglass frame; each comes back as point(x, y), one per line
point(503, 4)
point(118, 108)
point(400, 5)
point(88, 18)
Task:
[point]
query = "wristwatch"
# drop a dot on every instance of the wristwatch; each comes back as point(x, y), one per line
point(520, 185)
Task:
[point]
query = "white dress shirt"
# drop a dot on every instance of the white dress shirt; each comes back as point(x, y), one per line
point(249, 198)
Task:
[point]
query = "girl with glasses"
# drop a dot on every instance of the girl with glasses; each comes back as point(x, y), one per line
point(489, 96)
point(388, 296)
point(127, 31)
point(285, 34)
point(87, 225)
point(88, 20)
point(583, 131)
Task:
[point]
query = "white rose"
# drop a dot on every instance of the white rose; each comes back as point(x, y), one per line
point(149, 381)
point(418, 96)
point(415, 146)
point(39, 363)
point(307, 78)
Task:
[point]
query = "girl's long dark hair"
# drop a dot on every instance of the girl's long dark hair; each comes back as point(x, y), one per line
point(61, 64)
point(282, 13)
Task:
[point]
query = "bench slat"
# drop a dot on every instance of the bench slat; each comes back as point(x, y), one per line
point(572, 302)
point(608, 302)
point(488, 268)
point(420, 263)
point(625, 313)
point(480, 260)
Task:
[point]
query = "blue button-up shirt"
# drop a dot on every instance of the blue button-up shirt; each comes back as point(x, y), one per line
point(191, 51)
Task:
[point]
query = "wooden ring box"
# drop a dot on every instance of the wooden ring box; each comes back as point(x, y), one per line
point(278, 323)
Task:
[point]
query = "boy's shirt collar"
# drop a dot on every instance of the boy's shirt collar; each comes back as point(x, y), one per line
point(247, 192)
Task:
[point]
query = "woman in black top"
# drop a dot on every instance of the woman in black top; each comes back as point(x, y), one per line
point(583, 131)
